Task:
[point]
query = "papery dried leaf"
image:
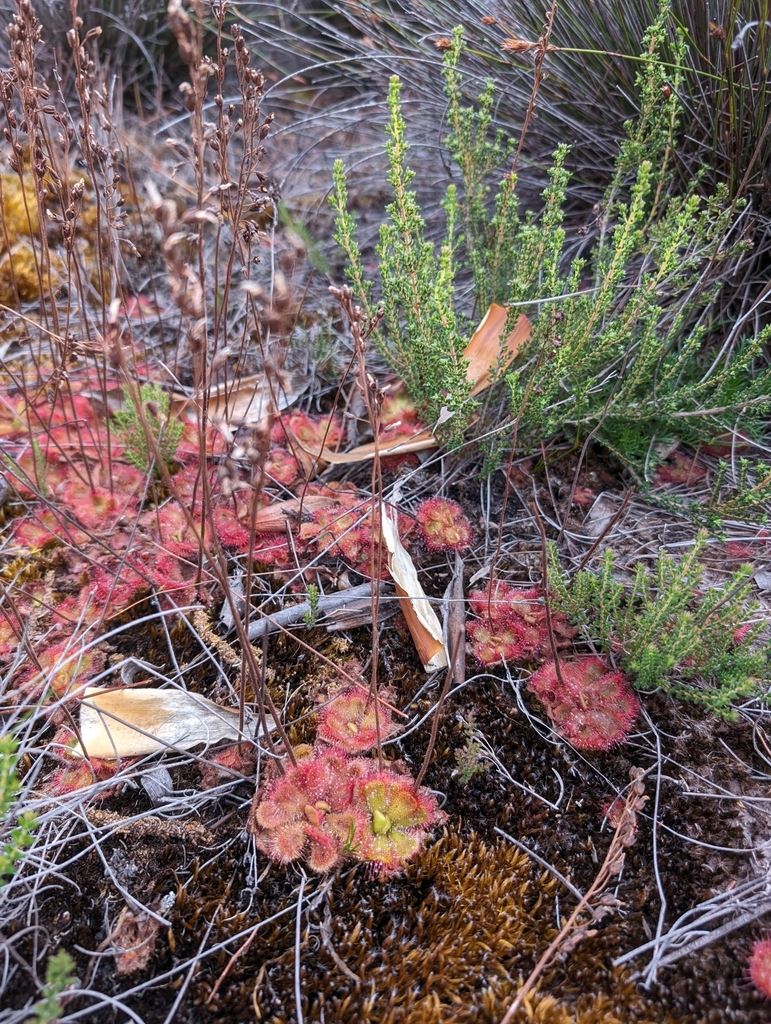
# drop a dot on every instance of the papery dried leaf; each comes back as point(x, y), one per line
point(424, 625)
point(273, 518)
point(116, 723)
point(514, 45)
point(133, 939)
point(484, 351)
point(411, 441)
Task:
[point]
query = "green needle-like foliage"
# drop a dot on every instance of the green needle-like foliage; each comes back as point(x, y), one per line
point(587, 92)
point(622, 348)
point(479, 154)
point(60, 974)
point(626, 344)
point(667, 631)
point(18, 831)
point(166, 430)
point(422, 335)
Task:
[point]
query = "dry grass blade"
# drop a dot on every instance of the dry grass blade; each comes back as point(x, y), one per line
point(241, 403)
point(273, 518)
point(420, 441)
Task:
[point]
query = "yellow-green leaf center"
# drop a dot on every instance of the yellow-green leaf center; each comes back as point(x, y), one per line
point(380, 823)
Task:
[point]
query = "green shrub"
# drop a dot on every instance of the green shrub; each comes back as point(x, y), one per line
point(586, 95)
point(479, 153)
point(18, 829)
point(59, 977)
point(665, 630)
point(423, 337)
point(133, 433)
point(619, 348)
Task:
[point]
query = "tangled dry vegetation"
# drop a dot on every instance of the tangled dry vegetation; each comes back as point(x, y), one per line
point(384, 593)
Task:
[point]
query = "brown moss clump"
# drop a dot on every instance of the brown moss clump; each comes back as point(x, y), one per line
point(452, 940)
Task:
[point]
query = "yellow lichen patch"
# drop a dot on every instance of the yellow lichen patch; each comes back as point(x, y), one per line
point(21, 271)
point(21, 569)
point(90, 220)
point(18, 275)
point(20, 209)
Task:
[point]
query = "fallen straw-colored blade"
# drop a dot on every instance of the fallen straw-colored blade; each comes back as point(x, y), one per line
point(416, 442)
point(431, 650)
point(245, 403)
point(134, 722)
point(424, 625)
point(485, 353)
point(273, 518)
